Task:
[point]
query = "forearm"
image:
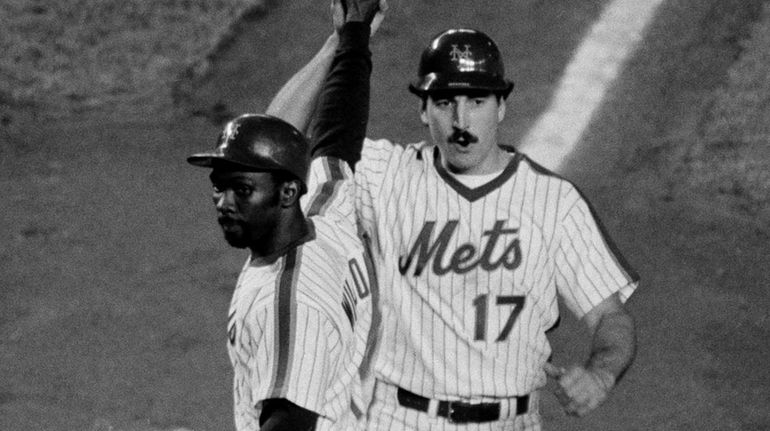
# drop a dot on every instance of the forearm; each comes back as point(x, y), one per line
point(295, 101)
point(613, 345)
point(343, 106)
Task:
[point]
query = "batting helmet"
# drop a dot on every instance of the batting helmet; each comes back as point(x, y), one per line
point(461, 59)
point(259, 142)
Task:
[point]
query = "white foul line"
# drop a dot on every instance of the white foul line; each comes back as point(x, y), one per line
point(586, 79)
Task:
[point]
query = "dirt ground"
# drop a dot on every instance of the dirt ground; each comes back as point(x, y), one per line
point(115, 281)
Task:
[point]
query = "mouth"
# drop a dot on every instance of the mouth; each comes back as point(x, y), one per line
point(228, 224)
point(463, 138)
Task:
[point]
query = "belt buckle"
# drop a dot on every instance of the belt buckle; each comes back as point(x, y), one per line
point(451, 414)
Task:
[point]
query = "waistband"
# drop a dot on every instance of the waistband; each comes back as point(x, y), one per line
point(461, 411)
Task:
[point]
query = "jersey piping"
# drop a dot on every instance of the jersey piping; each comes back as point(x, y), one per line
point(325, 196)
point(616, 254)
point(474, 194)
point(285, 321)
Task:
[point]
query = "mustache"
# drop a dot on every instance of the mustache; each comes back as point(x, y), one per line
point(227, 220)
point(463, 137)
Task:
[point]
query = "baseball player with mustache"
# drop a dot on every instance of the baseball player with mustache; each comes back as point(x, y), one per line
point(472, 244)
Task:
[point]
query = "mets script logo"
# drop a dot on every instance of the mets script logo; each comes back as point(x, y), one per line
point(458, 55)
point(467, 256)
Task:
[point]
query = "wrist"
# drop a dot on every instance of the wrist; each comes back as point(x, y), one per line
point(355, 14)
point(606, 378)
point(354, 34)
point(331, 42)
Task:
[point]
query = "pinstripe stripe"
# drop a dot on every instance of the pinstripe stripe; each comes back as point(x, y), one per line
point(631, 274)
point(285, 321)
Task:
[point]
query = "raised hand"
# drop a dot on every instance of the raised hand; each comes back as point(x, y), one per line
point(368, 11)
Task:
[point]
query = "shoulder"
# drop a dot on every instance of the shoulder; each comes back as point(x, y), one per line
point(255, 287)
point(384, 149)
point(566, 189)
point(335, 239)
point(537, 169)
point(324, 262)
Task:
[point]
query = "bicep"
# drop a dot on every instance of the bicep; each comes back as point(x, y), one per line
point(590, 268)
point(610, 308)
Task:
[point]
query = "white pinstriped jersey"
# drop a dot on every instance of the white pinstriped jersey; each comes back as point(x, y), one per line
point(299, 322)
point(469, 277)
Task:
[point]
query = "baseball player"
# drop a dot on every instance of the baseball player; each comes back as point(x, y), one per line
point(472, 243)
point(301, 311)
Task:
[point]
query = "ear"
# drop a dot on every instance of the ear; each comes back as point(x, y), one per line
point(424, 113)
point(501, 110)
point(289, 193)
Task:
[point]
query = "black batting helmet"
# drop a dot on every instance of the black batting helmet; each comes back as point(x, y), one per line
point(461, 59)
point(259, 142)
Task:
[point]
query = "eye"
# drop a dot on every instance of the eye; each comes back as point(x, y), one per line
point(478, 101)
point(243, 191)
point(442, 103)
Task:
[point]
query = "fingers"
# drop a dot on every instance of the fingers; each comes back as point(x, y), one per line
point(338, 14)
point(579, 390)
point(370, 11)
point(362, 10)
point(376, 21)
point(553, 371)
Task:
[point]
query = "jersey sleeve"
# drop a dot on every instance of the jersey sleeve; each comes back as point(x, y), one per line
point(371, 179)
point(296, 357)
point(589, 267)
point(331, 192)
point(343, 104)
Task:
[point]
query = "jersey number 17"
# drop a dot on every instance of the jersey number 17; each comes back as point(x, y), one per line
point(481, 304)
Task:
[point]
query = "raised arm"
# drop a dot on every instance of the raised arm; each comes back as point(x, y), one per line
point(296, 100)
point(343, 106)
point(331, 92)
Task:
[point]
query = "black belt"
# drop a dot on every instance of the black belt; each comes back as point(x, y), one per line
point(458, 411)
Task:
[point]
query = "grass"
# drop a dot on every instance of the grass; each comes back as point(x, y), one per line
point(732, 161)
point(88, 52)
point(72, 54)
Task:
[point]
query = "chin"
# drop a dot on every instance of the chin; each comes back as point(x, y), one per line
point(460, 165)
point(236, 241)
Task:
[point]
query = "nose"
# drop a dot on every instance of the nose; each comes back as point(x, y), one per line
point(459, 114)
point(223, 200)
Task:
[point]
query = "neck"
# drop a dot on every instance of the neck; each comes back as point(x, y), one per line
point(288, 233)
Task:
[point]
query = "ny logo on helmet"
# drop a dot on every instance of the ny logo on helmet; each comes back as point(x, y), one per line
point(458, 55)
point(231, 131)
